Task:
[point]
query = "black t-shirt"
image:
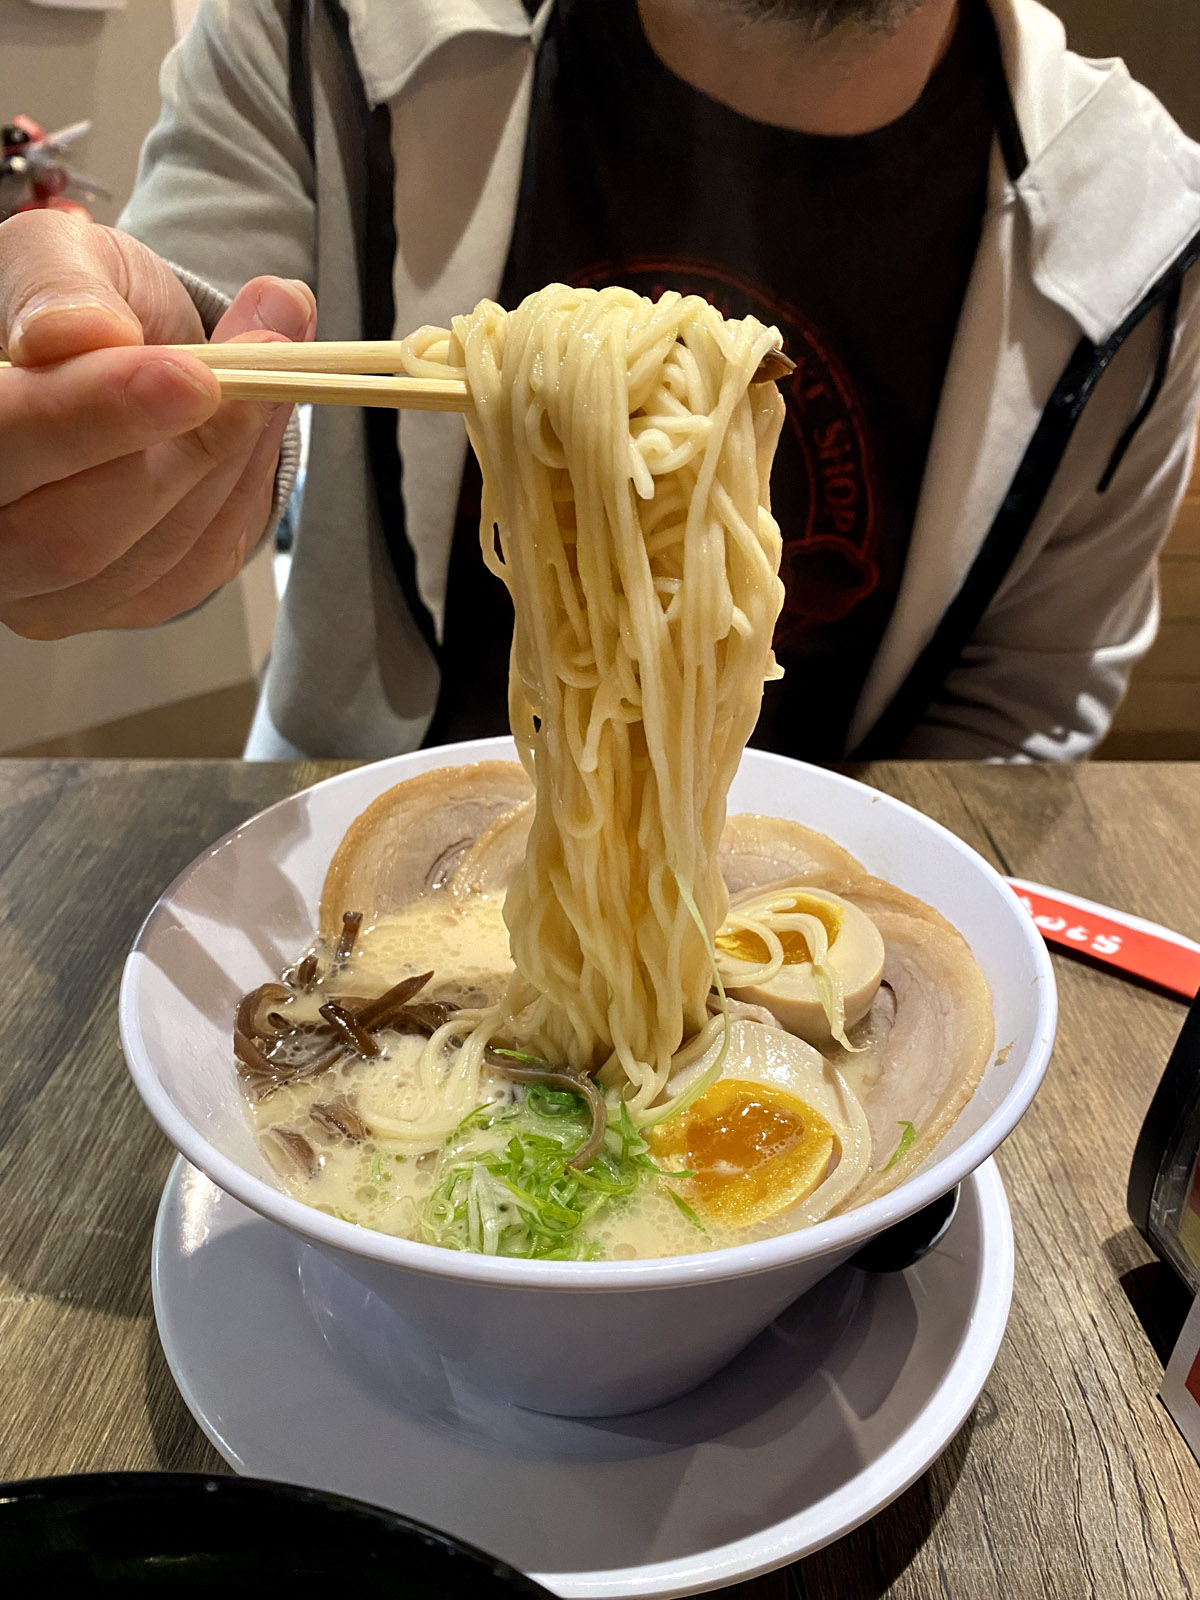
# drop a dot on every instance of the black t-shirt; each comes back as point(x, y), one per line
point(858, 248)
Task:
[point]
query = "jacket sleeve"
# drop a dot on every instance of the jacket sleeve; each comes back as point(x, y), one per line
point(225, 185)
point(1048, 664)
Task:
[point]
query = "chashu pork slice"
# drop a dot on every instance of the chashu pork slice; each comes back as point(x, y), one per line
point(756, 851)
point(926, 1041)
point(410, 841)
point(488, 866)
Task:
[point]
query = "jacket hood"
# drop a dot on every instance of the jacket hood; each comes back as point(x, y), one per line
point(1105, 160)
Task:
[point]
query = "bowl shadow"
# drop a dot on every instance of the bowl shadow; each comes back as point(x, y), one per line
point(867, 1562)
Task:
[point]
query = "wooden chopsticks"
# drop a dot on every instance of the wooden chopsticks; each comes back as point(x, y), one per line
point(338, 356)
point(351, 372)
point(329, 372)
point(345, 389)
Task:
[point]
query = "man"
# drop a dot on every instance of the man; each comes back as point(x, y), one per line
point(977, 247)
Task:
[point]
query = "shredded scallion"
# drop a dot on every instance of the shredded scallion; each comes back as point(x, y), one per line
point(686, 1210)
point(505, 1186)
point(908, 1133)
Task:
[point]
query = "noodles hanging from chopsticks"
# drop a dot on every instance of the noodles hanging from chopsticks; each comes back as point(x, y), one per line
point(625, 456)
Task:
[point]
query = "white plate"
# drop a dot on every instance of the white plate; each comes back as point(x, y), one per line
point(296, 1372)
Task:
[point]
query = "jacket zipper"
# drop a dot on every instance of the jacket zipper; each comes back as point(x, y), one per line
point(1020, 506)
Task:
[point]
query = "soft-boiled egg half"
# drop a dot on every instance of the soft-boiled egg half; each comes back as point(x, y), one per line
point(776, 1132)
point(810, 957)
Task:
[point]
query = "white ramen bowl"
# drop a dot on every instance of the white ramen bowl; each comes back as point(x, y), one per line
point(576, 1338)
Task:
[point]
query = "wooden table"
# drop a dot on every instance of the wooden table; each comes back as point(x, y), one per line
point(1069, 1478)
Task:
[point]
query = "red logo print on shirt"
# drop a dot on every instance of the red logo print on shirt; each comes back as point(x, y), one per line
point(830, 525)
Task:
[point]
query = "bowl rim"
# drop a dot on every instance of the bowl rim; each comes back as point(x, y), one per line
point(840, 1234)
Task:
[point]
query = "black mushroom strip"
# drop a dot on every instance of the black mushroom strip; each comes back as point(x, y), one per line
point(304, 974)
point(377, 1013)
point(351, 923)
point(251, 1055)
point(284, 1024)
point(381, 1012)
point(255, 1013)
point(348, 1024)
point(294, 1147)
point(426, 1017)
point(257, 1028)
point(524, 1071)
point(261, 1074)
point(354, 1036)
point(338, 1116)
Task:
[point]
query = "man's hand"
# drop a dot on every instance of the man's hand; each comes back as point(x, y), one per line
point(128, 491)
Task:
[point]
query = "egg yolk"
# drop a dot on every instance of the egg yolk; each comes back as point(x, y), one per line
point(744, 945)
point(752, 1151)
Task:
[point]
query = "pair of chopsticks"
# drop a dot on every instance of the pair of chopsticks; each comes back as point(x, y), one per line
point(352, 372)
point(329, 372)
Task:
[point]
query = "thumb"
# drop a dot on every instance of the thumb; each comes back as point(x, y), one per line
point(273, 305)
point(57, 295)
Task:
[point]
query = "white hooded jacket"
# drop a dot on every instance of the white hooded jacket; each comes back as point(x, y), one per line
point(375, 150)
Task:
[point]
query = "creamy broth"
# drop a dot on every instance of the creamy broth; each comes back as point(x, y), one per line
point(366, 1182)
point(376, 1184)
point(376, 1189)
point(371, 1183)
point(464, 944)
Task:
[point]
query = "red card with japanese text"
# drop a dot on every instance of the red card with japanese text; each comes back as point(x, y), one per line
point(1114, 939)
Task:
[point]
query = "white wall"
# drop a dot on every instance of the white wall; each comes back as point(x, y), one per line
point(50, 690)
point(61, 65)
point(1159, 39)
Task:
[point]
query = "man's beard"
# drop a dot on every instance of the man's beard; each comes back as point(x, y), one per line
point(819, 18)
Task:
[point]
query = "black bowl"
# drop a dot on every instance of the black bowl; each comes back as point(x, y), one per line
point(151, 1533)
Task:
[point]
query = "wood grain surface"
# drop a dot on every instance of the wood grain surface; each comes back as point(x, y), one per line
point(1069, 1478)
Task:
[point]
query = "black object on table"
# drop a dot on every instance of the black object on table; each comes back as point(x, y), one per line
point(151, 1533)
point(1163, 1198)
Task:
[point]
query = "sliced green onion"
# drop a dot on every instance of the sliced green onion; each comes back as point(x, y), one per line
point(522, 1056)
point(505, 1186)
point(908, 1133)
point(686, 1209)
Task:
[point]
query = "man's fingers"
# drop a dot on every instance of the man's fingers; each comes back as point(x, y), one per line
point(70, 532)
point(127, 488)
point(196, 548)
point(56, 421)
point(167, 542)
point(56, 298)
point(216, 506)
point(61, 420)
point(277, 305)
point(44, 613)
point(213, 561)
point(68, 286)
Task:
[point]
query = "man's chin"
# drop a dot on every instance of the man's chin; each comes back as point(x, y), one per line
point(820, 18)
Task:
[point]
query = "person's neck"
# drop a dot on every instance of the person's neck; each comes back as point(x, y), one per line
point(853, 81)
